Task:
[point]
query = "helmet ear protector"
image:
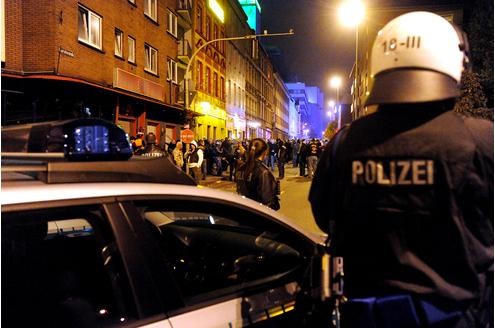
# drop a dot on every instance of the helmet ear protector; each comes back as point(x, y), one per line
point(417, 57)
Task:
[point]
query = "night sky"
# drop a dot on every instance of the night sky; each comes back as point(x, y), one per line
point(321, 46)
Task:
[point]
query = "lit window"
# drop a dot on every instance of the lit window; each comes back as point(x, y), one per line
point(222, 43)
point(172, 71)
point(199, 19)
point(132, 49)
point(150, 59)
point(215, 32)
point(222, 88)
point(150, 9)
point(215, 84)
point(254, 49)
point(119, 37)
point(208, 82)
point(172, 24)
point(208, 28)
point(199, 76)
point(89, 27)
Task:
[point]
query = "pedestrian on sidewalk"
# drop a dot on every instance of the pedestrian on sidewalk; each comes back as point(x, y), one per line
point(194, 159)
point(281, 158)
point(314, 152)
point(258, 182)
point(177, 155)
point(302, 158)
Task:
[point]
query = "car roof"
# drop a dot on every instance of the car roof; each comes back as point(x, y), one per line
point(20, 190)
point(92, 158)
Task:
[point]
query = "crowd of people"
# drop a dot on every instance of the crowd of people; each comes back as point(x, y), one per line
point(230, 158)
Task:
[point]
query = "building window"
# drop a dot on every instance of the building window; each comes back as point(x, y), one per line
point(208, 28)
point(90, 27)
point(199, 19)
point(215, 84)
point(207, 80)
point(235, 94)
point(222, 88)
point(215, 34)
point(172, 71)
point(119, 43)
point(222, 43)
point(150, 59)
point(172, 24)
point(199, 75)
point(150, 9)
point(131, 56)
point(229, 91)
point(254, 49)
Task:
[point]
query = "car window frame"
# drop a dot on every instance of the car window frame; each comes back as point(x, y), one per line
point(304, 244)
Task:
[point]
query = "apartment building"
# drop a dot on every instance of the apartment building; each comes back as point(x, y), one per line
point(206, 96)
point(282, 102)
point(126, 61)
point(111, 59)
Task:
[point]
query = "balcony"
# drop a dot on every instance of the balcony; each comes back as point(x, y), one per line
point(184, 51)
point(184, 9)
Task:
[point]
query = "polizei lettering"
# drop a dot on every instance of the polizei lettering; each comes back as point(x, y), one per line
point(393, 172)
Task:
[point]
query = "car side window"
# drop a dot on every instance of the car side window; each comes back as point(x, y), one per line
point(210, 249)
point(60, 268)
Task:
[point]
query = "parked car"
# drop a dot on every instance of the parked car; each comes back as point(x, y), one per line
point(134, 242)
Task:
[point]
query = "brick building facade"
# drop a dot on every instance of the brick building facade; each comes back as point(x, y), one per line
point(109, 59)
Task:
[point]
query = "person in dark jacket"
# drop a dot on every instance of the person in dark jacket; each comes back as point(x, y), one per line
point(258, 181)
point(281, 158)
point(228, 153)
point(406, 193)
point(152, 149)
point(301, 155)
point(313, 153)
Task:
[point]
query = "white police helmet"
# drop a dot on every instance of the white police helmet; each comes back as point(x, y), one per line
point(417, 57)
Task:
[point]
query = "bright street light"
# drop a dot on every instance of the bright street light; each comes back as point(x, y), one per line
point(335, 82)
point(331, 103)
point(351, 12)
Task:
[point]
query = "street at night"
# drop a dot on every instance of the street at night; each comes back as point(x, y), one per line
point(247, 163)
point(294, 202)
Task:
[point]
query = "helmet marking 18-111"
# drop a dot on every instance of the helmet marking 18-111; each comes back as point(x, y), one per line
point(416, 57)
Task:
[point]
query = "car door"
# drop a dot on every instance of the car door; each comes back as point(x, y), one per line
point(73, 263)
point(228, 264)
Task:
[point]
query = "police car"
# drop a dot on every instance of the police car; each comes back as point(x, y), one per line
point(92, 238)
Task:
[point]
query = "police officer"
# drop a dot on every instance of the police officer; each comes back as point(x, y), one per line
point(152, 149)
point(406, 193)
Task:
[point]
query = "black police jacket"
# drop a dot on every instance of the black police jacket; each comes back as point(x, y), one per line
point(407, 197)
point(261, 186)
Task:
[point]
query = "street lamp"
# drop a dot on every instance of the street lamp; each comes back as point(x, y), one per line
point(351, 13)
point(187, 75)
point(336, 82)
